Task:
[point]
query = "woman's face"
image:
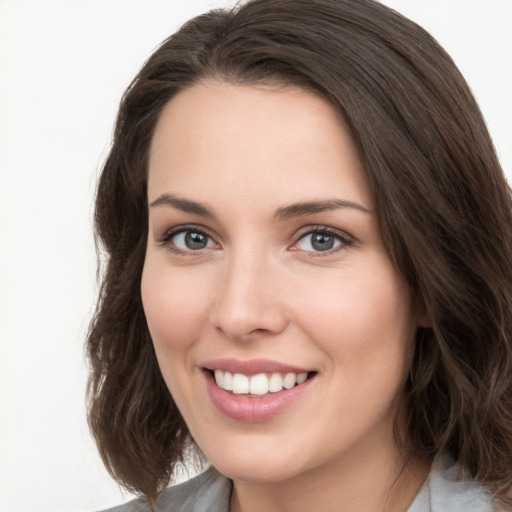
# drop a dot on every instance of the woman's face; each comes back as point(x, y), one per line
point(265, 265)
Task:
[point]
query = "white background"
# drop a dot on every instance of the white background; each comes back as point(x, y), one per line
point(63, 67)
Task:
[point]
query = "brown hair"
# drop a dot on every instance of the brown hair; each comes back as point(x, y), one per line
point(443, 202)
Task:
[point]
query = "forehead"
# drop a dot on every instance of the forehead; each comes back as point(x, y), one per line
point(219, 137)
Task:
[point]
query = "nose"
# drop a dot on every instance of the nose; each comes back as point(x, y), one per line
point(249, 301)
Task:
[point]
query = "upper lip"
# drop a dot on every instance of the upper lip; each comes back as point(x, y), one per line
point(252, 367)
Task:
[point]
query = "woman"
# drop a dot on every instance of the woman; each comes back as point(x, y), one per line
point(308, 276)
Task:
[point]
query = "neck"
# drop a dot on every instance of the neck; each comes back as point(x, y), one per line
point(375, 482)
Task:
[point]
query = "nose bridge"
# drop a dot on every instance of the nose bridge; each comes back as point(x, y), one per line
point(247, 301)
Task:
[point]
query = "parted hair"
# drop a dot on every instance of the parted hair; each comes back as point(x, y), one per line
point(442, 200)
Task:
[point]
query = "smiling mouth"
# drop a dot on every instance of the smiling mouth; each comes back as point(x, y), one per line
point(260, 384)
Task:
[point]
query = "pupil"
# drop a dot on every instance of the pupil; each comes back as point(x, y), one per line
point(322, 242)
point(195, 240)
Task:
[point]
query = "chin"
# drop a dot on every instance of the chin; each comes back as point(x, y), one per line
point(258, 463)
point(256, 471)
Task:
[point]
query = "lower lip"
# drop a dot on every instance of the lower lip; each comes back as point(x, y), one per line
point(253, 409)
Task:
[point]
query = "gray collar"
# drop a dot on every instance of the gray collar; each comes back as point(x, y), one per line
point(449, 489)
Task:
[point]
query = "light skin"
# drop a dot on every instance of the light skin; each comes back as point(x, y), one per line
point(287, 264)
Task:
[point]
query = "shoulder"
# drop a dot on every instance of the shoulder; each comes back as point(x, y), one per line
point(449, 489)
point(207, 492)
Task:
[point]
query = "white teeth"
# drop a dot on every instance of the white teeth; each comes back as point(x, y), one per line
point(289, 380)
point(227, 383)
point(301, 377)
point(219, 377)
point(259, 384)
point(275, 383)
point(240, 384)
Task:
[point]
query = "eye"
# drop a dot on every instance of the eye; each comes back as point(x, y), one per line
point(186, 240)
point(321, 240)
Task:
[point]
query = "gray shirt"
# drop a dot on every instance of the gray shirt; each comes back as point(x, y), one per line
point(446, 489)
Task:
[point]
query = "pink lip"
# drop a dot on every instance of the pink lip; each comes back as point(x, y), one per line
point(252, 409)
point(252, 367)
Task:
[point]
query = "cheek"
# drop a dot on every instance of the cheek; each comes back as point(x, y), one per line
point(361, 319)
point(175, 308)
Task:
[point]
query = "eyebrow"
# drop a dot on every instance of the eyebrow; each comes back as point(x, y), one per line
point(281, 214)
point(185, 205)
point(312, 207)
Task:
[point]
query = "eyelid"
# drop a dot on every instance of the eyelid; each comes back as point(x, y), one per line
point(168, 234)
point(346, 239)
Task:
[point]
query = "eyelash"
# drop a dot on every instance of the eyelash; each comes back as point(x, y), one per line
point(343, 239)
point(166, 239)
